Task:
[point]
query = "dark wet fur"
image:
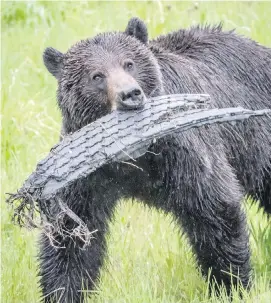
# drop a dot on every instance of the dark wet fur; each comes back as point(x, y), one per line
point(199, 176)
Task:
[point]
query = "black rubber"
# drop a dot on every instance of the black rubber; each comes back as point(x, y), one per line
point(121, 136)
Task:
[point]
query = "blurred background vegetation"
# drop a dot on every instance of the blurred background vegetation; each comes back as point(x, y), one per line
point(149, 260)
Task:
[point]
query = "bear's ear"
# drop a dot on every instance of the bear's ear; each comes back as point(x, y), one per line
point(137, 29)
point(53, 60)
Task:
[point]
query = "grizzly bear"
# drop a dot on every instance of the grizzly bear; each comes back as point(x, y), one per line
point(199, 176)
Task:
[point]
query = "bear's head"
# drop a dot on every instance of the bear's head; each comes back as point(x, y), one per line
point(114, 70)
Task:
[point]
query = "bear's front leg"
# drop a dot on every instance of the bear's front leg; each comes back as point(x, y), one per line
point(211, 214)
point(202, 192)
point(217, 230)
point(68, 272)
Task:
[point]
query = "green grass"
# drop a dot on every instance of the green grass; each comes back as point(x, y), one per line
point(149, 260)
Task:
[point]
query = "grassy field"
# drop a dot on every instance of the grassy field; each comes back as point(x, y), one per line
point(149, 260)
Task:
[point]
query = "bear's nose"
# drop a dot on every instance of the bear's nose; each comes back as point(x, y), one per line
point(133, 94)
point(131, 98)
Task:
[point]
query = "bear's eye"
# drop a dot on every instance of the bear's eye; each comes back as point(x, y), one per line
point(129, 65)
point(97, 77)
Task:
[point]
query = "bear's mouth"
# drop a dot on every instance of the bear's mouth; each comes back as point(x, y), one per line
point(131, 104)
